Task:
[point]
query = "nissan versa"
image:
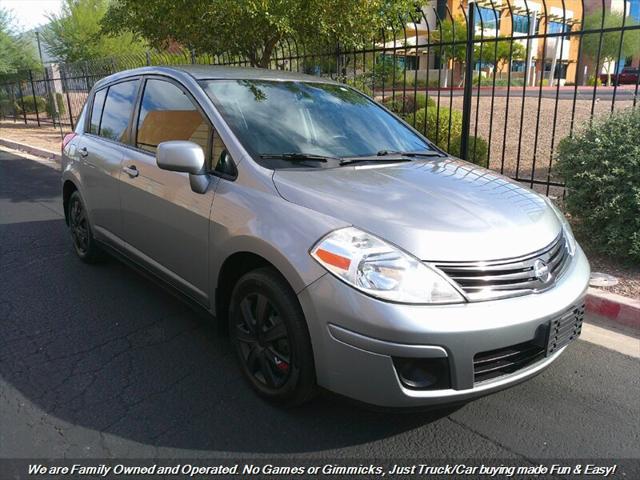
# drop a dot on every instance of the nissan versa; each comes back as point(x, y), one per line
point(342, 247)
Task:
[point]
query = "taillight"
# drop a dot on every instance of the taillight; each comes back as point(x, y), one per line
point(67, 138)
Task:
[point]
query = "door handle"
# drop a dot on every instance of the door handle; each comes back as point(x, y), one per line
point(132, 171)
point(83, 151)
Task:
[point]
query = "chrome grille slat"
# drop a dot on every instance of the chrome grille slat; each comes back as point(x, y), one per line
point(489, 278)
point(509, 286)
point(504, 278)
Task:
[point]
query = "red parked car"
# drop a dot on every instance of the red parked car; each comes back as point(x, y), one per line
point(628, 76)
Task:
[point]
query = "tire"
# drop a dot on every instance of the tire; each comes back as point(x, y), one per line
point(84, 243)
point(270, 337)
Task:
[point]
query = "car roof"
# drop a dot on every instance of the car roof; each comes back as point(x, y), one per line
point(215, 72)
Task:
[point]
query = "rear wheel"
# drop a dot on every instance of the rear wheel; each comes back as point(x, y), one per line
point(85, 245)
point(270, 337)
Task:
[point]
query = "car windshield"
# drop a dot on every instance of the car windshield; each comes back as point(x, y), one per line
point(275, 118)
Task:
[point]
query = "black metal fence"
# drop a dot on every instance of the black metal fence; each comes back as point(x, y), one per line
point(497, 82)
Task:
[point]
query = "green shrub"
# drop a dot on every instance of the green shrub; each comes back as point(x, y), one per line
point(500, 82)
point(386, 71)
point(43, 103)
point(592, 80)
point(59, 99)
point(408, 103)
point(29, 105)
point(6, 107)
point(439, 128)
point(478, 150)
point(437, 125)
point(419, 82)
point(601, 168)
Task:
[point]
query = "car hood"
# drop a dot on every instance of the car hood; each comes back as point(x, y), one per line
point(444, 210)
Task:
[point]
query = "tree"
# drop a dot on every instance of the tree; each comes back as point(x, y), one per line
point(75, 34)
point(499, 53)
point(254, 28)
point(452, 32)
point(16, 52)
point(609, 46)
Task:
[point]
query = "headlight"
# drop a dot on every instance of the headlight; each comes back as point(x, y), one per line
point(566, 228)
point(379, 269)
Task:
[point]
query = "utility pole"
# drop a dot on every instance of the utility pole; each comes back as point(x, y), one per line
point(52, 102)
point(39, 48)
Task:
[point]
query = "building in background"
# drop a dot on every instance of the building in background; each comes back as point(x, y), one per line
point(631, 8)
point(499, 18)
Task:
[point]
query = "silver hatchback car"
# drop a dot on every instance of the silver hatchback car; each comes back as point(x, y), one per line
point(343, 248)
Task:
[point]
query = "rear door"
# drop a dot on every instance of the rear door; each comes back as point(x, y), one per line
point(100, 151)
point(165, 223)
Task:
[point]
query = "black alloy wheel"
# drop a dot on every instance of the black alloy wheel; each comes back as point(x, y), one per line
point(269, 332)
point(78, 226)
point(264, 341)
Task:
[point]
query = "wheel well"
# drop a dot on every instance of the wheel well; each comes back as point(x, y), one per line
point(67, 189)
point(232, 269)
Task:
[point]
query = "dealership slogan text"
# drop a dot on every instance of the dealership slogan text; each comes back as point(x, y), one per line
point(395, 470)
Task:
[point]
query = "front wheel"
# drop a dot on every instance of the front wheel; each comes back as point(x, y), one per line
point(269, 334)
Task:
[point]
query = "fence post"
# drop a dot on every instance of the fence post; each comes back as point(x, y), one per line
point(193, 55)
point(33, 92)
point(50, 97)
point(148, 55)
point(24, 112)
point(65, 87)
point(468, 83)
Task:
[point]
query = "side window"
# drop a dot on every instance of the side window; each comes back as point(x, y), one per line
point(96, 111)
point(167, 113)
point(117, 111)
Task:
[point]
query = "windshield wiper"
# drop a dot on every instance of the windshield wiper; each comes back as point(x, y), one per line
point(373, 158)
point(397, 156)
point(429, 153)
point(297, 157)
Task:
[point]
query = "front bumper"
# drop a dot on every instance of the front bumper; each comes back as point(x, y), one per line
point(355, 338)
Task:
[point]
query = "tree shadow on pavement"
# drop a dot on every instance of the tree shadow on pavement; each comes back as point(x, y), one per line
point(26, 180)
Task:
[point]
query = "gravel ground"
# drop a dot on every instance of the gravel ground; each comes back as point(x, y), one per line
point(532, 150)
point(45, 137)
point(627, 275)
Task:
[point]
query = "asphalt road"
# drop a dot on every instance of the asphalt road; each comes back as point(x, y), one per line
point(98, 361)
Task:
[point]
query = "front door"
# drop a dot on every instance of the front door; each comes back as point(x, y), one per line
point(164, 222)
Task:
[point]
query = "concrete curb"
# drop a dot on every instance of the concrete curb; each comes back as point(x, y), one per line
point(37, 151)
point(614, 308)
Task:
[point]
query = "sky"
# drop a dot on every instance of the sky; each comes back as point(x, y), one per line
point(30, 13)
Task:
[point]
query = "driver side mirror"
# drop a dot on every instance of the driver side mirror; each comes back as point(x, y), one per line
point(187, 157)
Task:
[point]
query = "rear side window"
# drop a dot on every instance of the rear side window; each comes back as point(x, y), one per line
point(96, 111)
point(167, 113)
point(79, 130)
point(117, 111)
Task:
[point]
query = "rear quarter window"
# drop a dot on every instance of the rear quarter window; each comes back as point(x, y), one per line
point(96, 111)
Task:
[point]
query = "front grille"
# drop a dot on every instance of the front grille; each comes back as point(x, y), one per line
point(509, 278)
point(565, 328)
point(549, 339)
point(503, 361)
